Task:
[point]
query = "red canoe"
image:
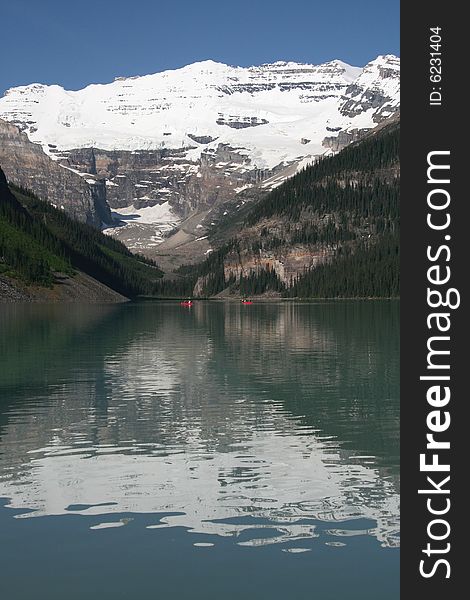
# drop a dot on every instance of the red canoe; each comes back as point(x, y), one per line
point(186, 303)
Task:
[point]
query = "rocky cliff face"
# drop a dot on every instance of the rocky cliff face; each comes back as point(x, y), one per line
point(287, 262)
point(144, 178)
point(26, 165)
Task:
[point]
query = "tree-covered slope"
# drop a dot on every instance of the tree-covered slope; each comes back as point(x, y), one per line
point(37, 241)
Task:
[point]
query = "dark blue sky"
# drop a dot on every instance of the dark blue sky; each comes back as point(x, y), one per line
point(90, 41)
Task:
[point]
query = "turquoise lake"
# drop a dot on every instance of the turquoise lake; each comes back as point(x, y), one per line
point(222, 451)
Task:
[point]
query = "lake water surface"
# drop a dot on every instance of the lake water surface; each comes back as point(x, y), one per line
point(152, 451)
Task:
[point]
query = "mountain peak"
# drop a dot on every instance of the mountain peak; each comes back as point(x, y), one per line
point(390, 60)
point(204, 65)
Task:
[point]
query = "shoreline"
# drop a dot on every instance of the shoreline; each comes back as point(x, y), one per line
point(260, 300)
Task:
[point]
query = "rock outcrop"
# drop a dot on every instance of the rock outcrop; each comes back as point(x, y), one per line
point(344, 138)
point(375, 90)
point(287, 262)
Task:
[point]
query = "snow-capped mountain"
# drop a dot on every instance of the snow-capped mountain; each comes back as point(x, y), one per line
point(195, 137)
point(267, 110)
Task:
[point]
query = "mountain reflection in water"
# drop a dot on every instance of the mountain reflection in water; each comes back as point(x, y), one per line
point(223, 419)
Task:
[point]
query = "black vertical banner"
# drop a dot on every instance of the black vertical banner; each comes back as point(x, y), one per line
point(434, 290)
